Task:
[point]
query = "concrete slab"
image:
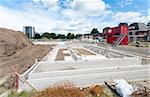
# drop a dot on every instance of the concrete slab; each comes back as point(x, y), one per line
point(84, 69)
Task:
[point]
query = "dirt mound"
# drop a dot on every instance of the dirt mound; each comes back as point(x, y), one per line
point(61, 89)
point(68, 89)
point(11, 41)
point(17, 53)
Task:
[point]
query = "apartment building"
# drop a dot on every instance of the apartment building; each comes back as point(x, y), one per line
point(139, 32)
point(29, 31)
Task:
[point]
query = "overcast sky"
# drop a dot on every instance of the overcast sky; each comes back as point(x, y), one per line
point(77, 16)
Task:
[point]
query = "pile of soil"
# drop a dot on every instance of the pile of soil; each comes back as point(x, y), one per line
point(11, 41)
point(18, 53)
point(68, 89)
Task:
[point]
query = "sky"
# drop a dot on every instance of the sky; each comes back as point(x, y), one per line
point(75, 16)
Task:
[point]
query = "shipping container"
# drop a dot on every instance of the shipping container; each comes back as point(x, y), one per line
point(113, 34)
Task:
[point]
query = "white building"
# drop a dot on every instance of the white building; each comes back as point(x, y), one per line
point(29, 31)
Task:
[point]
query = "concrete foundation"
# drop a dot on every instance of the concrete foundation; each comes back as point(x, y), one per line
point(83, 70)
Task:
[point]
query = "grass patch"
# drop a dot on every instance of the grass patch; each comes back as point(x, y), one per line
point(21, 94)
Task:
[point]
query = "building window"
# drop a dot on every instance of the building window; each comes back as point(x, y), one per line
point(130, 33)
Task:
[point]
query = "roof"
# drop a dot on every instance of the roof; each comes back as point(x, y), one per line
point(138, 27)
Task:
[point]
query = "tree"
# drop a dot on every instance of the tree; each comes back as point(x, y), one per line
point(53, 35)
point(61, 36)
point(37, 36)
point(94, 31)
point(46, 35)
point(70, 36)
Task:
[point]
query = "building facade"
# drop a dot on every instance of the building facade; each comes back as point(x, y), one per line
point(135, 32)
point(29, 31)
point(117, 34)
point(96, 37)
point(87, 37)
point(139, 32)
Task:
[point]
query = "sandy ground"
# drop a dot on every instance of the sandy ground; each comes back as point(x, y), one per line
point(20, 61)
point(61, 55)
point(11, 41)
point(17, 53)
point(84, 51)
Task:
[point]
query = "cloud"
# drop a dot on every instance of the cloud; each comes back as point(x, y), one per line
point(124, 3)
point(51, 5)
point(129, 17)
point(63, 16)
point(89, 7)
point(48, 15)
point(86, 8)
point(17, 19)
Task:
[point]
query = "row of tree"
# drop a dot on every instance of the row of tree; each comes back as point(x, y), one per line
point(62, 36)
point(54, 36)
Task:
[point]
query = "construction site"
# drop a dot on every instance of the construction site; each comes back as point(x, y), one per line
point(72, 68)
point(84, 68)
point(74, 48)
point(80, 62)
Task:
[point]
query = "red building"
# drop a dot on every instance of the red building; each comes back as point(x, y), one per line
point(117, 34)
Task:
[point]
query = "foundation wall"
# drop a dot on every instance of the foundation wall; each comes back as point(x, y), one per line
point(87, 79)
